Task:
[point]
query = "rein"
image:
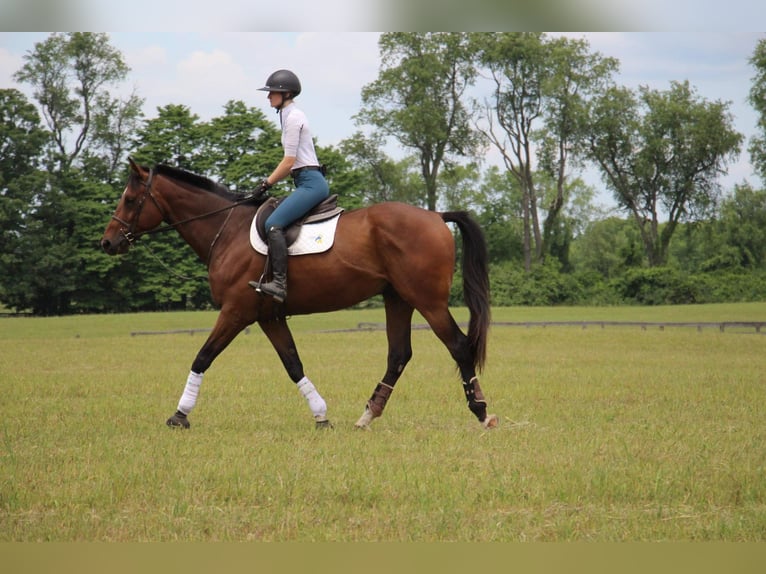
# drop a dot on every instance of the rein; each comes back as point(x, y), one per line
point(132, 237)
point(170, 226)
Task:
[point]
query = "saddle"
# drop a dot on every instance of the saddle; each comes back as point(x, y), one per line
point(326, 209)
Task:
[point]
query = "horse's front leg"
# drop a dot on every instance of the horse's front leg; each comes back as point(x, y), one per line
point(282, 339)
point(227, 326)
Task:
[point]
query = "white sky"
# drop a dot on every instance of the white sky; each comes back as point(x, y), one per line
point(205, 70)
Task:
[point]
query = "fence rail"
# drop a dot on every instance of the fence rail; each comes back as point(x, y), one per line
point(722, 326)
point(177, 331)
point(661, 325)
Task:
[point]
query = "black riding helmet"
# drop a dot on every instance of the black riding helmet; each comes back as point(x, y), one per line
point(283, 81)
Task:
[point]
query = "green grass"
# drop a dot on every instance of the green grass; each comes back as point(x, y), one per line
point(614, 434)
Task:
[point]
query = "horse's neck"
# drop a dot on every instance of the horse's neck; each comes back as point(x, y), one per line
point(191, 207)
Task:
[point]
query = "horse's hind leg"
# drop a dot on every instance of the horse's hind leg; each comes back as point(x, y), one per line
point(448, 331)
point(282, 339)
point(398, 332)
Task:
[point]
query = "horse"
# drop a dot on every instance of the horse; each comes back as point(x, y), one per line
point(402, 252)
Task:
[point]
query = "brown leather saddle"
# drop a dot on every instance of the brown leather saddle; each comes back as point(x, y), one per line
point(327, 209)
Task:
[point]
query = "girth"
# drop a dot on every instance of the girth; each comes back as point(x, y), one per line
point(322, 211)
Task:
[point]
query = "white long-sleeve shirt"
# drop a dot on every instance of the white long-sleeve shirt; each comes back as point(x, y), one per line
point(296, 137)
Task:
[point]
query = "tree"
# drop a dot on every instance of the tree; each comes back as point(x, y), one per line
point(575, 75)
point(112, 136)
point(70, 73)
point(381, 178)
point(417, 99)
point(499, 213)
point(22, 147)
point(239, 148)
point(345, 178)
point(757, 98)
point(175, 137)
point(171, 275)
point(540, 90)
point(608, 247)
point(22, 139)
point(743, 222)
point(55, 259)
point(734, 240)
point(660, 153)
point(458, 188)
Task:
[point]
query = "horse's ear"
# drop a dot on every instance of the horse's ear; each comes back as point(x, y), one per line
point(133, 165)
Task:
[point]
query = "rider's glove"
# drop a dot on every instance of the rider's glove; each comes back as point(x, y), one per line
point(263, 187)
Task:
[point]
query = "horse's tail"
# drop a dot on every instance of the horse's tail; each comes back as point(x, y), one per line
point(475, 282)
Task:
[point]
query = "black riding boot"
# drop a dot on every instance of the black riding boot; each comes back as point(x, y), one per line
point(277, 287)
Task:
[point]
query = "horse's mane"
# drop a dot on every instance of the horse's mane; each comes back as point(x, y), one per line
point(195, 180)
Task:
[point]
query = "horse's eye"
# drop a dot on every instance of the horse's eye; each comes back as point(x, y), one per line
point(130, 201)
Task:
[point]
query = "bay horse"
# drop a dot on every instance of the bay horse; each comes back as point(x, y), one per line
point(403, 252)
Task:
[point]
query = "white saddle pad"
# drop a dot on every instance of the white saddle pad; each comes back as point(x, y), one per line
point(313, 238)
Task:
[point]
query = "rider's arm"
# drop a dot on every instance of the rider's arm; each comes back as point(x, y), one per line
point(282, 170)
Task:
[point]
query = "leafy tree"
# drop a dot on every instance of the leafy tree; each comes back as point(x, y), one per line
point(417, 99)
point(701, 247)
point(540, 90)
point(608, 247)
point(44, 260)
point(174, 137)
point(165, 272)
point(574, 76)
point(22, 147)
point(457, 186)
point(743, 224)
point(499, 213)
point(380, 177)
point(239, 148)
point(343, 176)
point(22, 139)
point(70, 73)
point(112, 133)
point(661, 153)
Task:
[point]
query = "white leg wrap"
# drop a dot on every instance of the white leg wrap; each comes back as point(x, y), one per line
point(189, 398)
point(313, 398)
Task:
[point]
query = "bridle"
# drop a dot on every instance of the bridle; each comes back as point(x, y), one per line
point(128, 230)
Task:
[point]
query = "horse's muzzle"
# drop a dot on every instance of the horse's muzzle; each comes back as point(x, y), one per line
point(117, 247)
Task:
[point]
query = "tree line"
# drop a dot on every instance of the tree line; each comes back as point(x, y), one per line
point(549, 106)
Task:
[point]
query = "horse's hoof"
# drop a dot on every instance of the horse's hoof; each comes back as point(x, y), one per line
point(365, 420)
point(178, 420)
point(490, 422)
point(324, 424)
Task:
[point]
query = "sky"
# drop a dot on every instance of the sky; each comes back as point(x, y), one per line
point(382, 15)
point(204, 70)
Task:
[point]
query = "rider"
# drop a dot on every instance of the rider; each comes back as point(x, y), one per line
point(300, 161)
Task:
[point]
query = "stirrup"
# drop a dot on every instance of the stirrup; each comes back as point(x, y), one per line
point(257, 284)
point(272, 290)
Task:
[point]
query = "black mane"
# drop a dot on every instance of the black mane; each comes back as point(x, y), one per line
point(195, 180)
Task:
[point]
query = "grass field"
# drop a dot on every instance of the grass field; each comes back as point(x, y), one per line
point(606, 434)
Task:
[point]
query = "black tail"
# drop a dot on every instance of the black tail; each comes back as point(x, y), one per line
point(475, 282)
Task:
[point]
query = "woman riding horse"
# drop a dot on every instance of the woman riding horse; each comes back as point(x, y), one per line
point(300, 161)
